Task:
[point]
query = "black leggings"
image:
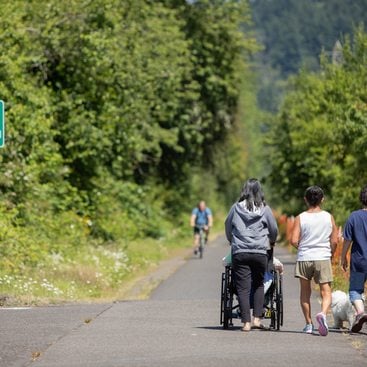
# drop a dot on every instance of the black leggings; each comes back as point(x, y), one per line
point(249, 270)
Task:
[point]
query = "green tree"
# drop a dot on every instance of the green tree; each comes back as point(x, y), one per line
point(319, 136)
point(114, 111)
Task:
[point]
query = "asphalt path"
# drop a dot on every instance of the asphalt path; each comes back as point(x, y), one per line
point(177, 326)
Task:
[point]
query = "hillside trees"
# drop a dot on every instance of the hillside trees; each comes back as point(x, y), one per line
point(320, 134)
point(219, 53)
point(294, 32)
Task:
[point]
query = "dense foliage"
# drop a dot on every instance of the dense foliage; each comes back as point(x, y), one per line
point(320, 134)
point(120, 116)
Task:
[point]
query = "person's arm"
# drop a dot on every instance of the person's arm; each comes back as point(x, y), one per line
point(210, 220)
point(344, 261)
point(228, 224)
point(348, 239)
point(333, 237)
point(193, 220)
point(272, 225)
point(296, 232)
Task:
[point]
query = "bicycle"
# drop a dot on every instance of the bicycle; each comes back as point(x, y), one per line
point(202, 240)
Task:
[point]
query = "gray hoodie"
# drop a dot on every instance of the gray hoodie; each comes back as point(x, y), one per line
point(250, 231)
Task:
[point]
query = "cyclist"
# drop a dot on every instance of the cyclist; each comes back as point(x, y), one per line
point(201, 216)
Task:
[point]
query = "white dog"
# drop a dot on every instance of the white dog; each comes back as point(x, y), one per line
point(342, 309)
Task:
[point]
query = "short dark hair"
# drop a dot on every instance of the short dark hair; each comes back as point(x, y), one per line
point(363, 195)
point(314, 195)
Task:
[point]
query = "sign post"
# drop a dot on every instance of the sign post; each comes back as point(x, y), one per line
point(2, 123)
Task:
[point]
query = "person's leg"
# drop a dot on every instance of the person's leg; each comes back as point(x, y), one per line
point(242, 276)
point(325, 293)
point(305, 297)
point(258, 267)
point(206, 235)
point(304, 270)
point(356, 289)
point(196, 239)
point(358, 305)
point(323, 277)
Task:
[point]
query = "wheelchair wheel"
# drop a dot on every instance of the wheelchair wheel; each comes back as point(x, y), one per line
point(276, 302)
point(226, 299)
point(272, 305)
point(279, 296)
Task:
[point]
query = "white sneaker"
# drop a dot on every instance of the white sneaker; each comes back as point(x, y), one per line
point(308, 329)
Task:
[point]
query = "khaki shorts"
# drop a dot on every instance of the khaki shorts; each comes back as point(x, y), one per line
point(319, 270)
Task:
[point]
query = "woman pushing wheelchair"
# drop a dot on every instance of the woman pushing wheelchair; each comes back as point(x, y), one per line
point(251, 230)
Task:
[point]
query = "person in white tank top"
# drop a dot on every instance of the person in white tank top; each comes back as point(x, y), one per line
point(315, 236)
point(316, 229)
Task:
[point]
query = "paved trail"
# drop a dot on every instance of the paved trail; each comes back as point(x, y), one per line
point(177, 326)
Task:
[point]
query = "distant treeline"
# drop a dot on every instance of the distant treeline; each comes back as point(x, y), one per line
point(293, 33)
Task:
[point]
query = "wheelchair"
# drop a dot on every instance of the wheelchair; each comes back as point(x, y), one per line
point(273, 300)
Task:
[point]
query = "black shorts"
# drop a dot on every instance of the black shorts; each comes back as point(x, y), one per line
point(197, 230)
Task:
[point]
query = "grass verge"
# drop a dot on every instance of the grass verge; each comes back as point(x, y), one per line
point(94, 272)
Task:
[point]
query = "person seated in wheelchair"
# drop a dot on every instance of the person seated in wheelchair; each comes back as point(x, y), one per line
point(274, 264)
point(251, 230)
point(277, 265)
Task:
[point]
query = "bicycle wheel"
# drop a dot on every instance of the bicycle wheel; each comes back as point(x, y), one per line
point(201, 244)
